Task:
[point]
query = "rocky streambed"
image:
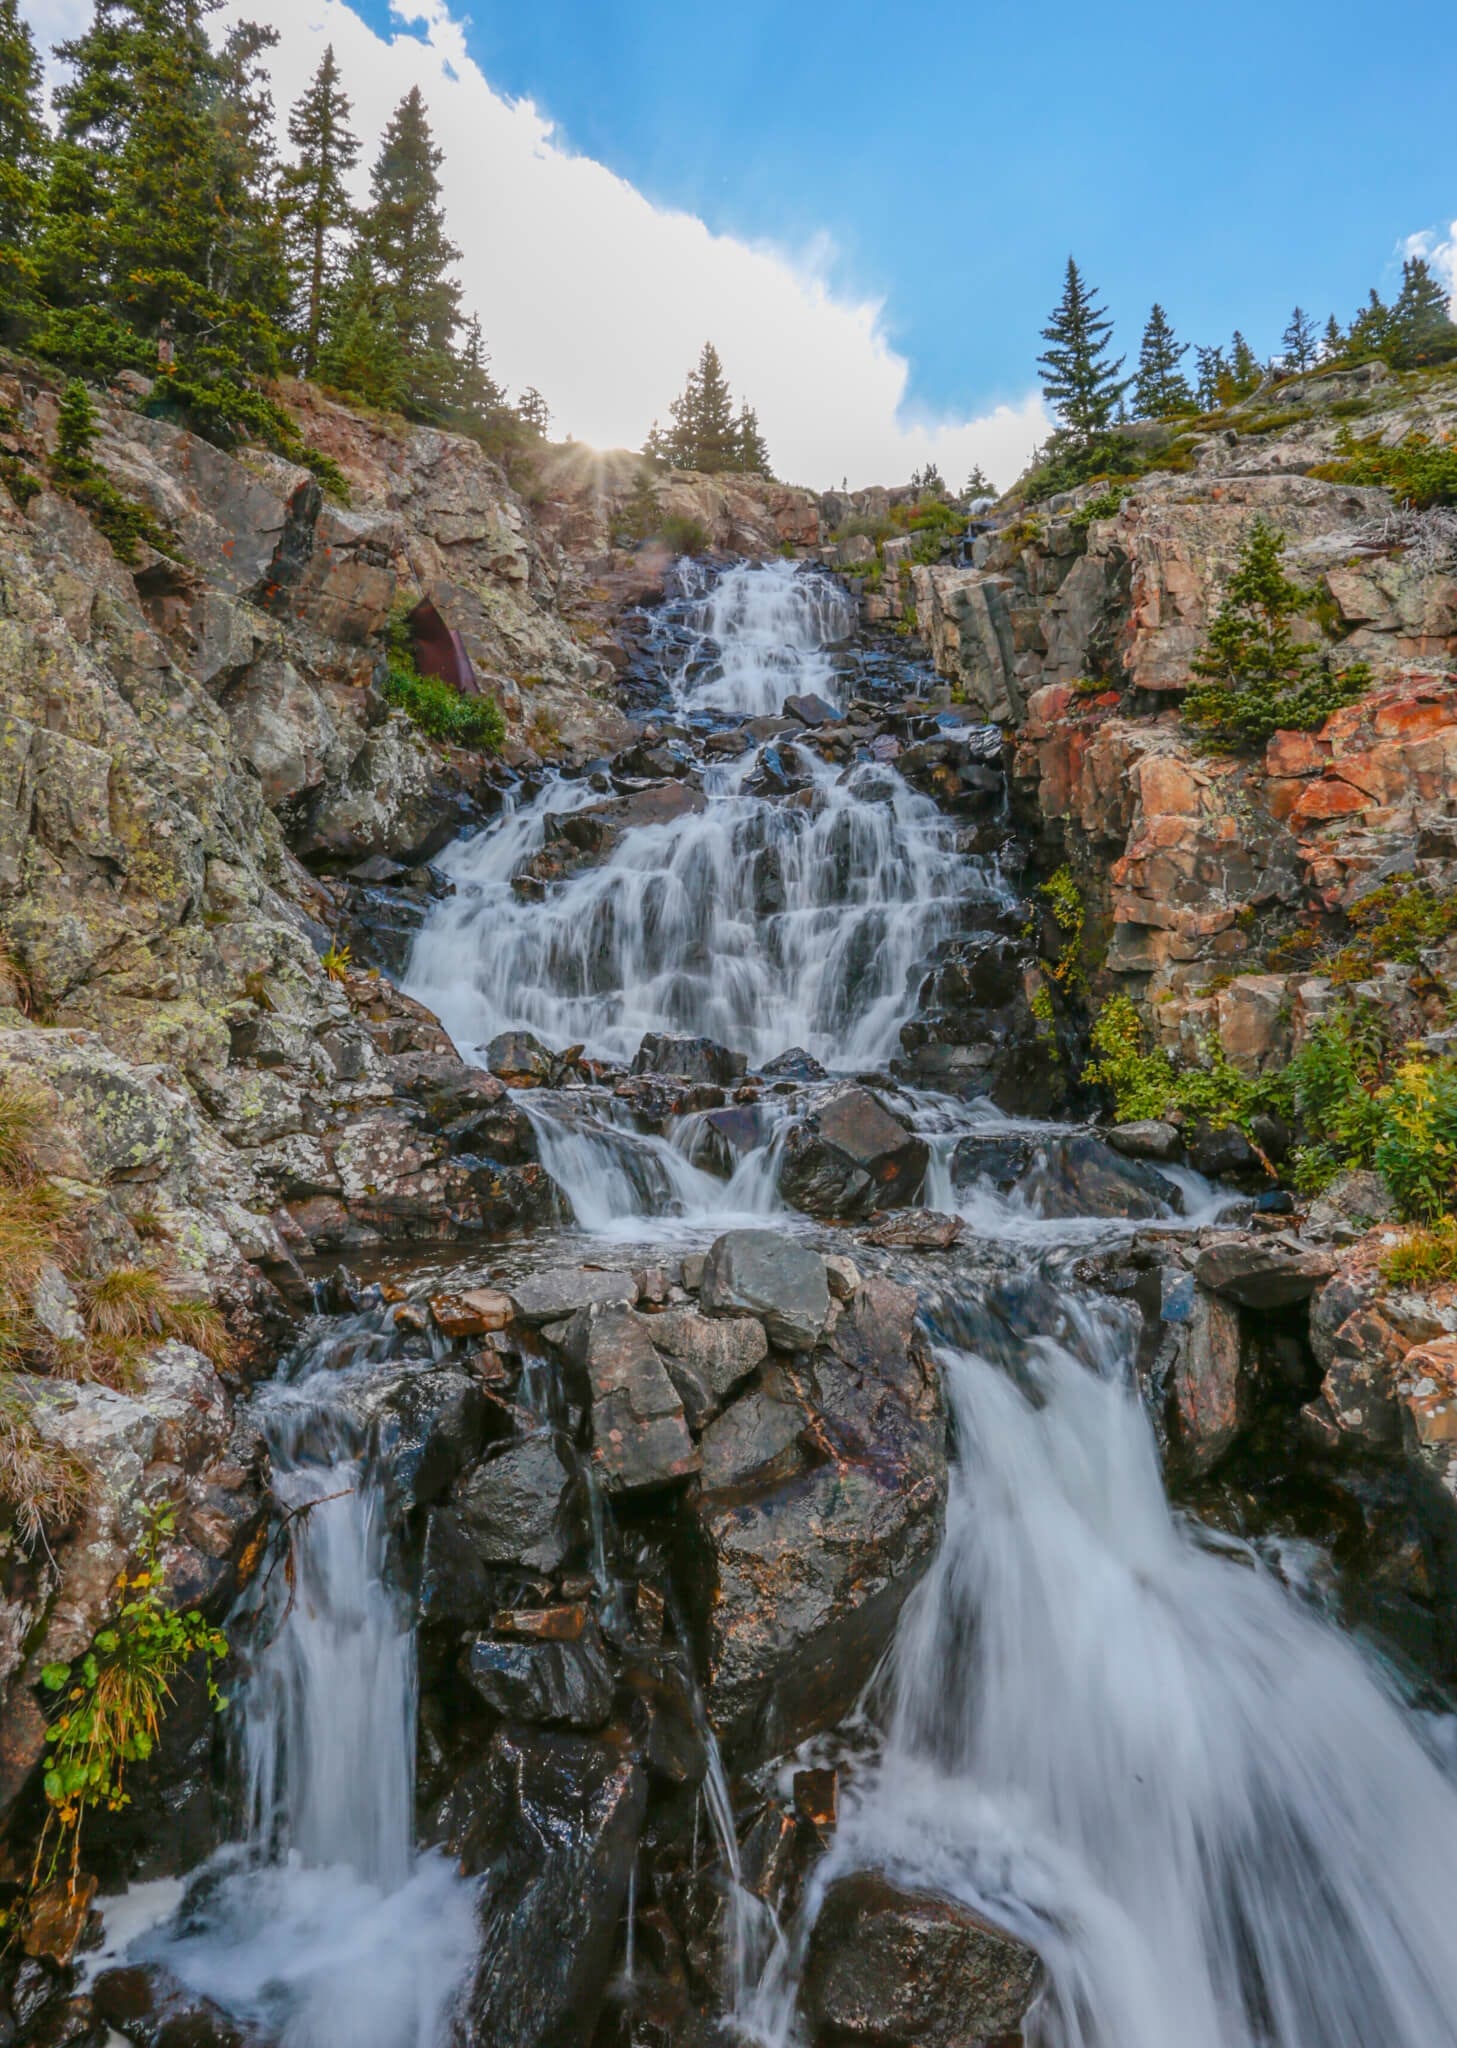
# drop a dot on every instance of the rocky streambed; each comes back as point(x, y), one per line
point(744, 1602)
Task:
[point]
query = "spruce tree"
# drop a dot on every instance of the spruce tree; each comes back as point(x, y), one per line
point(476, 390)
point(248, 265)
point(978, 485)
point(1244, 367)
point(705, 435)
point(753, 450)
point(1333, 341)
point(1160, 389)
point(1371, 330)
point(404, 235)
point(22, 159)
point(363, 356)
point(533, 411)
point(316, 206)
point(1212, 379)
point(1079, 382)
point(1299, 342)
point(77, 432)
point(1422, 330)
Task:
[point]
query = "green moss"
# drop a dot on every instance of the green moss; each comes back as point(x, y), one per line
point(1419, 471)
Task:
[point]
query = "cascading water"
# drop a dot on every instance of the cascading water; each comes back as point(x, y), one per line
point(325, 1925)
point(1196, 1798)
point(763, 632)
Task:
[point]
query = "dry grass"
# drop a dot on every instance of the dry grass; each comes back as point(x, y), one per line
point(132, 1307)
point(42, 1483)
point(1424, 1258)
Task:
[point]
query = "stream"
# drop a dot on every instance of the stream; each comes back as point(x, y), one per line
point(1128, 1740)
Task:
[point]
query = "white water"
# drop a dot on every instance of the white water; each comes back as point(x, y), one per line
point(324, 1925)
point(1195, 1797)
point(773, 625)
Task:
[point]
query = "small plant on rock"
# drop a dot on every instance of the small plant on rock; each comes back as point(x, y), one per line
point(126, 525)
point(337, 961)
point(1425, 1257)
point(1417, 1148)
point(1257, 678)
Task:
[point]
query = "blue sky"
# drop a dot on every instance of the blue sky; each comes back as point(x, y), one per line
point(1228, 161)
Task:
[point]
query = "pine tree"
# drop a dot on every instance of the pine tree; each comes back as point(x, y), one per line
point(248, 265)
point(1160, 389)
point(1299, 342)
point(1370, 333)
point(533, 411)
point(753, 450)
point(1333, 341)
point(476, 389)
point(1244, 367)
point(22, 159)
point(978, 485)
point(1212, 379)
point(404, 235)
point(77, 432)
point(1079, 382)
point(639, 518)
point(658, 447)
point(316, 205)
point(704, 434)
point(1422, 330)
point(363, 356)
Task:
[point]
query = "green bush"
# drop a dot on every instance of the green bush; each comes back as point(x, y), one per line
point(1335, 1083)
point(1418, 471)
point(1066, 464)
point(1149, 1084)
point(684, 535)
point(1427, 1258)
point(441, 710)
point(1104, 506)
point(127, 525)
point(1417, 1148)
point(1258, 679)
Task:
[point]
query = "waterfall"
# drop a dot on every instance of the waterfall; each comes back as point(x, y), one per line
point(324, 1925)
point(772, 625)
point(1199, 1801)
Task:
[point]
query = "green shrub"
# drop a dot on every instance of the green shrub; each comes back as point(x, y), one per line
point(22, 484)
point(441, 710)
point(126, 524)
point(1335, 1083)
point(1104, 506)
point(1150, 1084)
point(1427, 1258)
point(1417, 1148)
point(1418, 471)
point(1065, 465)
point(1402, 918)
point(1257, 678)
point(684, 535)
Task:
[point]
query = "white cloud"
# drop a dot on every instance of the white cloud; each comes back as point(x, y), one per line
point(603, 300)
point(1440, 251)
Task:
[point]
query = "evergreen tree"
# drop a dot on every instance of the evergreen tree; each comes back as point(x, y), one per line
point(1079, 382)
point(22, 159)
point(1422, 330)
point(77, 432)
point(704, 434)
point(753, 450)
point(1299, 342)
point(363, 356)
point(1160, 389)
point(1212, 379)
point(978, 485)
point(533, 411)
point(316, 204)
point(658, 447)
point(1370, 333)
point(476, 389)
point(404, 236)
point(1244, 367)
point(248, 264)
point(639, 518)
point(1333, 341)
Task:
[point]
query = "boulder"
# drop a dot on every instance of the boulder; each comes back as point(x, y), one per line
point(914, 1230)
point(765, 1274)
point(1348, 1208)
point(850, 1156)
point(707, 1356)
point(1208, 1387)
point(1222, 1150)
point(794, 1065)
point(640, 1435)
point(512, 1506)
point(1263, 1272)
point(1081, 1176)
point(801, 1570)
point(474, 1312)
point(565, 1682)
point(1147, 1138)
point(548, 1824)
point(521, 1060)
point(726, 1137)
point(900, 1969)
point(695, 1059)
point(810, 710)
point(996, 1161)
point(559, 1291)
point(154, 2009)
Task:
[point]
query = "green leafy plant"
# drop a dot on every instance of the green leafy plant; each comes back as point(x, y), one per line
point(1335, 1082)
point(1417, 1148)
point(109, 1706)
point(1257, 678)
point(682, 534)
point(436, 706)
point(1064, 900)
point(337, 961)
point(1149, 1084)
point(1103, 506)
point(1419, 471)
point(1426, 1257)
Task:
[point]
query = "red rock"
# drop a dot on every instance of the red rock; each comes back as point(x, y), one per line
point(1408, 717)
point(1295, 753)
point(472, 1313)
point(1328, 798)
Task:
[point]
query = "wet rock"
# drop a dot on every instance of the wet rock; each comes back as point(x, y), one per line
point(549, 1825)
point(998, 1162)
point(560, 1291)
point(640, 1435)
point(1263, 1272)
point(850, 1156)
point(154, 2009)
point(915, 1230)
point(810, 710)
point(1349, 1207)
point(1147, 1139)
point(726, 1138)
point(695, 1059)
point(513, 1507)
point(797, 1582)
point(426, 1424)
point(707, 1356)
point(1209, 1393)
point(473, 1313)
point(565, 1682)
point(761, 1273)
point(757, 1439)
point(794, 1065)
point(521, 1060)
point(1081, 1176)
point(656, 1099)
point(1223, 1151)
point(902, 1969)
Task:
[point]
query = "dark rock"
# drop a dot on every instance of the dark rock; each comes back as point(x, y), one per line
point(427, 1424)
point(1263, 1272)
point(1081, 1176)
point(998, 1162)
point(810, 710)
point(765, 1274)
point(513, 1505)
point(657, 1099)
point(707, 1356)
point(521, 1060)
point(850, 1156)
point(1226, 1150)
point(903, 1969)
point(757, 1439)
point(726, 1137)
point(154, 2009)
point(1147, 1139)
point(794, 1065)
point(549, 1824)
point(914, 1230)
point(797, 1583)
point(639, 1432)
point(1210, 1398)
point(569, 1683)
point(695, 1059)
point(559, 1291)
